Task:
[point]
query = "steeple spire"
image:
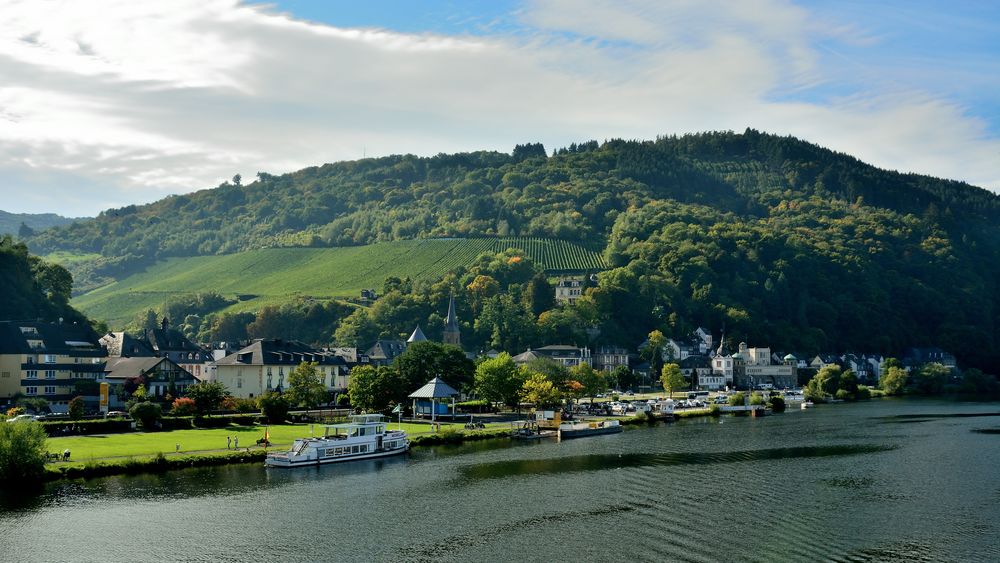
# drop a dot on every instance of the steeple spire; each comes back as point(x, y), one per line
point(451, 331)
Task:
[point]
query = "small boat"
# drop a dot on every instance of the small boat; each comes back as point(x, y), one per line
point(581, 429)
point(364, 437)
point(807, 405)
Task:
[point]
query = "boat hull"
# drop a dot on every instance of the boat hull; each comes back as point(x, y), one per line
point(584, 432)
point(285, 462)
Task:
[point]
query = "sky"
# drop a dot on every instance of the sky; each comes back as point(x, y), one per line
point(110, 103)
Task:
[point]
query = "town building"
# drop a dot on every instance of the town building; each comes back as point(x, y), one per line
point(607, 358)
point(264, 366)
point(568, 290)
point(383, 352)
point(163, 342)
point(566, 356)
point(163, 377)
point(48, 360)
point(753, 367)
point(698, 370)
point(915, 358)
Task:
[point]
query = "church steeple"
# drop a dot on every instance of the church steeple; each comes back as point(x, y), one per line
point(451, 331)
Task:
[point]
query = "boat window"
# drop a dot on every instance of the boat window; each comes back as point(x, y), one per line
point(354, 449)
point(364, 448)
point(340, 451)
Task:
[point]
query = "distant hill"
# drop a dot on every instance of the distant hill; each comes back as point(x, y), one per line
point(10, 223)
point(277, 275)
point(776, 239)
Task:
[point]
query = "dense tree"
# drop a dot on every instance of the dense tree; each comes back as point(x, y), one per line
point(423, 361)
point(373, 389)
point(305, 386)
point(653, 352)
point(893, 381)
point(593, 381)
point(76, 408)
point(672, 378)
point(22, 453)
point(207, 395)
point(147, 414)
point(274, 406)
point(930, 379)
point(499, 380)
point(540, 391)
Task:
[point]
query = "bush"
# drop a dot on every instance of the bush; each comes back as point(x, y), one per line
point(844, 395)
point(777, 404)
point(864, 393)
point(756, 399)
point(737, 399)
point(146, 414)
point(22, 452)
point(16, 411)
point(273, 406)
point(245, 406)
point(714, 410)
point(183, 407)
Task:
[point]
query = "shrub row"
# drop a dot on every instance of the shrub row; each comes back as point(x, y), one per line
point(73, 428)
point(156, 464)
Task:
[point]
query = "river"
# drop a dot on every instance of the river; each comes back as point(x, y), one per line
point(891, 480)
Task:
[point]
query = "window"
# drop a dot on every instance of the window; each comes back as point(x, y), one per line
point(31, 374)
point(50, 358)
point(50, 390)
point(50, 374)
point(31, 390)
point(239, 383)
point(5, 374)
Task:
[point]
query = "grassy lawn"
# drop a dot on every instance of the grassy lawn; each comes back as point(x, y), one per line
point(137, 444)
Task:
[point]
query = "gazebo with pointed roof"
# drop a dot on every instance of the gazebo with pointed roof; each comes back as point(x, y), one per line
point(434, 390)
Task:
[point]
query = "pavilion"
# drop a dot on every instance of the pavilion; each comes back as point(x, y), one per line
point(435, 390)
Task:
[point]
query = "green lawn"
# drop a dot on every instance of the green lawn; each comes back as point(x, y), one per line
point(275, 275)
point(137, 444)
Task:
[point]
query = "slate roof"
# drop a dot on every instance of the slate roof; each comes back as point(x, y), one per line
point(279, 352)
point(121, 344)
point(434, 389)
point(56, 338)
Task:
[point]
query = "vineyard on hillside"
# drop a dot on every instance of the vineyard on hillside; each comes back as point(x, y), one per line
point(279, 274)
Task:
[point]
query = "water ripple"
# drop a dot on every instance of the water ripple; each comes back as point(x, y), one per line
point(575, 464)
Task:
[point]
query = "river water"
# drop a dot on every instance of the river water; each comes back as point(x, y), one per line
point(892, 480)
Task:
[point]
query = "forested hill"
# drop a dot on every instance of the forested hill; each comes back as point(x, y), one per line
point(777, 239)
point(26, 224)
point(32, 288)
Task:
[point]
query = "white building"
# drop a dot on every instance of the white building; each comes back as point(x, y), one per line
point(264, 366)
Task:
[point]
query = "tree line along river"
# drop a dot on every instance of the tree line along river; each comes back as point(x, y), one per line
point(890, 480)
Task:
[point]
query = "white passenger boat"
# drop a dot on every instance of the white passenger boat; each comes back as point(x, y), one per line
point(364, 437)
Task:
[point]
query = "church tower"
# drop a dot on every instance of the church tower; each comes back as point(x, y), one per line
point(451, 331)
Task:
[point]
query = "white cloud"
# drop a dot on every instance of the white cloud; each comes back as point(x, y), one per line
point(134, 100)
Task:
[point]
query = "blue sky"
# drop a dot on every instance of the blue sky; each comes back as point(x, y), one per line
point(104, 104)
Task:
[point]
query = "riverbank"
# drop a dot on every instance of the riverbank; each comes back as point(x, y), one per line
point(154, 452)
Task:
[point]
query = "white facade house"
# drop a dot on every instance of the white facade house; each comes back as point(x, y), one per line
point(265, 365)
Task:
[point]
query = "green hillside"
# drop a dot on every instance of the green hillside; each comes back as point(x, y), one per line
point(775, 239)
point(276, 275)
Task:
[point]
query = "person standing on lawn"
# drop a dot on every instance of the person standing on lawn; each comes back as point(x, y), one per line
point(236, 442)
point(229, 442)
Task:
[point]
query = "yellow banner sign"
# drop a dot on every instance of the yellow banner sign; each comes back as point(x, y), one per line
point(104, 396)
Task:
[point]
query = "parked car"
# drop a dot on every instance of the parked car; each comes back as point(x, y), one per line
point(116, 414)
point(20, 417)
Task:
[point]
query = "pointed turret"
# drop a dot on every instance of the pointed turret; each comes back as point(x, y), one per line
point(451, 331)
point(417, 336)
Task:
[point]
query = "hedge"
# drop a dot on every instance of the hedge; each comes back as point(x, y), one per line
point(79, 427)
point(156, 464)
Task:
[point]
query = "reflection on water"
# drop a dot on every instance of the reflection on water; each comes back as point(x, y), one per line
point(602, 462)
point(830, 483)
